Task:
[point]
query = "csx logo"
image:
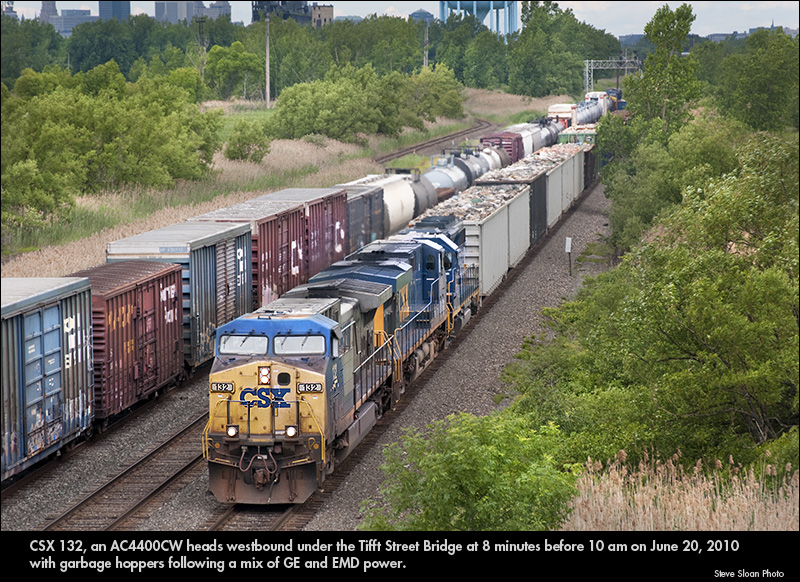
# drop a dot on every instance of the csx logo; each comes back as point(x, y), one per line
point(265, 397)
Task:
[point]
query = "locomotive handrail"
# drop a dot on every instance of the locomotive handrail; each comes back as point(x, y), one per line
point(207, 428)
point(370, 365)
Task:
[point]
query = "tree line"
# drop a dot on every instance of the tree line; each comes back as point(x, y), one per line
point(542, 58)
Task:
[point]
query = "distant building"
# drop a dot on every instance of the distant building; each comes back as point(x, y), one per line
point(300, 12)
point(630, 39)
point(316, 14)
point(119, 10)
point(217, 9)
point(421, 15)
point(321, 14)
point(49, 11)
point(722, 36)
point(175, 12)
point(8, 10)
point(69, 19)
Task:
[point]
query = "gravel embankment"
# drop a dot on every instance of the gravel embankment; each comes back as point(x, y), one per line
point(491, 345)
point(471, 380)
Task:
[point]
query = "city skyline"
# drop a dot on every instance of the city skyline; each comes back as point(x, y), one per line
point(617, 18)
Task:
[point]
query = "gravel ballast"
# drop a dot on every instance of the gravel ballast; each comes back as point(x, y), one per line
point(492, 343)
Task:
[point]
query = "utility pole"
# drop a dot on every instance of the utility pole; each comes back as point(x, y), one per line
point(425, 62)
point(267, 35)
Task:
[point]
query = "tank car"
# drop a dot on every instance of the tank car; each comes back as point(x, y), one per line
point(405, 195)
point(445, 175)
point(296, 385)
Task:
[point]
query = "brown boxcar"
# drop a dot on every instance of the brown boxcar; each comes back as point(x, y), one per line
point(137, 330)
point(278, 230)
point(326, 224)
point(509, 141)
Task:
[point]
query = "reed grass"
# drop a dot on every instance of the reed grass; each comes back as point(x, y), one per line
point(504, 108)
point(662, 496)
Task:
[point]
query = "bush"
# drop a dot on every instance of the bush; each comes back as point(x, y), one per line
point(473, 474)
point(249, 141)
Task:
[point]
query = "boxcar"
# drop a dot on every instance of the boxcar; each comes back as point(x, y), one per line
point(326, 224)
point(508, 141)
point(47, 367)
point(137, 330)
point(364, 215)
point(278, 231)
point(216, 275)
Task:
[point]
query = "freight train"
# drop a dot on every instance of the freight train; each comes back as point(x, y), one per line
point(297, 384)
point(79, 350)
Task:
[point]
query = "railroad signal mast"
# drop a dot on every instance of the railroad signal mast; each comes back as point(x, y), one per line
point(622, 63)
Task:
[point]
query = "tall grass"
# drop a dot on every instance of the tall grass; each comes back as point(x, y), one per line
point(312, 162)
point(662, 496)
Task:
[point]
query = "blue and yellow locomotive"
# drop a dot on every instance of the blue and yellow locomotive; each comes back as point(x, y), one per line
point(297, 384)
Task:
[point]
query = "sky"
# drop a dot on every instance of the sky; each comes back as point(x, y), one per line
point(617, 18)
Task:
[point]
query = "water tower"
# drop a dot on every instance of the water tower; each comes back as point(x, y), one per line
point(492, 8)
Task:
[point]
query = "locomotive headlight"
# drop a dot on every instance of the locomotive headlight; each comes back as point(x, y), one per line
point(264, 375)
point(291, 431)
point(232, 430)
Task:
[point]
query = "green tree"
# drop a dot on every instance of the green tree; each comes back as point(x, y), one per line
point(692, 341)
point(485, 61)
point(297, 55)
point(457, 34)
point(547, 56)
point(435, 92)
point(648, 174)
point(249, 141)
point(95, 43)
point(351, 103)
point(27, 44)
point(471, 473)
point(233, 70)
point(70, 135)
point(760, 87)
point(668, 86)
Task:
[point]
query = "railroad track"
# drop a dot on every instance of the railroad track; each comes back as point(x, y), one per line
point(481, 125)
point(302, 514)
point(251, 518)
point(130, 495)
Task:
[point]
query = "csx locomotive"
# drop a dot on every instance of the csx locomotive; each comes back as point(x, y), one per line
point(296, 385)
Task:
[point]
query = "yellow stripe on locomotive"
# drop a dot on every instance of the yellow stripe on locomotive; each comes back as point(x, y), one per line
point(247, 400)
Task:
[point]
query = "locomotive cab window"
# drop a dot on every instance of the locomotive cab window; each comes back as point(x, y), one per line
point(300, 345)
point(243, 345)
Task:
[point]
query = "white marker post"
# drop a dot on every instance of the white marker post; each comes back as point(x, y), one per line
point(569, 254)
